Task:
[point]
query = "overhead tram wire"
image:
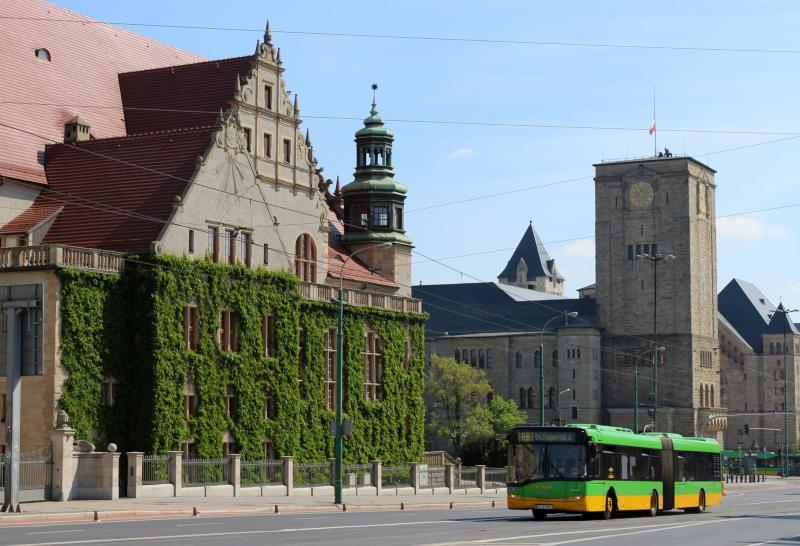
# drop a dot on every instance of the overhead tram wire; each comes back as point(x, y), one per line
point(509, 124)
point(423, 38)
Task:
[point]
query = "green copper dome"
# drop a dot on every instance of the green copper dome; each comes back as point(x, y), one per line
point(373, 125)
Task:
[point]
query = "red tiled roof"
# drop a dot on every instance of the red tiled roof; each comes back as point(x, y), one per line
point(105, 195)
point(85, 62)
point(203, 88)
point(31, 217)
point(355, 270)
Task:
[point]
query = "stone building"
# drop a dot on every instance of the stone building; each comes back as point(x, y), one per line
point(200, 167)
point(655, 292)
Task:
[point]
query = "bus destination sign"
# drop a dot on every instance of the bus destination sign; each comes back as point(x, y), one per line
point(529, 436)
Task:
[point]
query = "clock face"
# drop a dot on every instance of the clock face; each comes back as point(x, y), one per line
point(641, 194)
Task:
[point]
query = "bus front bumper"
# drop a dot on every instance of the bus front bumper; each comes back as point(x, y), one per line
point(590, 503)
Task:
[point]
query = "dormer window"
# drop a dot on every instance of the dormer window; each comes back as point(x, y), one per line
point(42, 54)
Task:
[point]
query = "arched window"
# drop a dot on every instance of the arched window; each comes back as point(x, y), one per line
point(702, 399)
point(519, 359)
point(777, 348)
point(42, 54)
point(771, 348)
point(555, 358)
point(530, 397)
point(481, 360)
point(522, 398)
point(489, 362)
point(464, 356)
point(472, 358)
point(457, 356)
point(305, 258)
point(708, 396)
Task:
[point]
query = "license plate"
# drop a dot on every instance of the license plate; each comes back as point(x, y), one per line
point(544, 507)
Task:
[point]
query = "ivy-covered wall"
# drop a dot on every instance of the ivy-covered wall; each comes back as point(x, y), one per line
point(131, 328)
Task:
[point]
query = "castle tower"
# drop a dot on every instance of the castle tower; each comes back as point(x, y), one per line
point(656, 272)
point(531, 266)
point(373, 205)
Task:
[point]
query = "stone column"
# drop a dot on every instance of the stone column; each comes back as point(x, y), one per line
point(481, 476)
point(64, 464)
point(415, 476)
point(134, 474)
point(449, 476)
point(235, 473)
point(175, 470)
point(377, 475)
point(288, 474)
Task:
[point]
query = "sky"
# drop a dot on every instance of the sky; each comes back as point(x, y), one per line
point(726, 93)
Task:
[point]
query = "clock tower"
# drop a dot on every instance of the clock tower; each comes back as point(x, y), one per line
point(656, 274)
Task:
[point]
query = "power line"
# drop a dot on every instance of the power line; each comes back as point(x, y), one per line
point(478, 123)
point(425, 38)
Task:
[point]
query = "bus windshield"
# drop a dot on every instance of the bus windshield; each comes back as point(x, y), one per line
point(536, 462)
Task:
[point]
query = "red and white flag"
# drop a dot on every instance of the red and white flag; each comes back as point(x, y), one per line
point(653, 127)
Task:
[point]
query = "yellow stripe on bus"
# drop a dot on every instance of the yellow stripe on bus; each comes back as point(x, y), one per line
point(596, 503)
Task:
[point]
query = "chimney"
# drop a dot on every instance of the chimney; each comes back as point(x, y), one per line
point(76, 129)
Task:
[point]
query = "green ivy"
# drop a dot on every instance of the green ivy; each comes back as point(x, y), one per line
point(131, 327)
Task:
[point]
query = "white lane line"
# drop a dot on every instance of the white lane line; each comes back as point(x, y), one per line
point(784, 539)
point(54, 532)
point(198, 524)
point(161, 538)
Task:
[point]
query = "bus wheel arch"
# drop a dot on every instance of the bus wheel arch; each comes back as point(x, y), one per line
point(653, 510)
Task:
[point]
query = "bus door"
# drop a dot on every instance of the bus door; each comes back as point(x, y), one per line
point(667, 474)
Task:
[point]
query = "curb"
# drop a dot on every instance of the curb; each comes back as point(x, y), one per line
point(110, 515)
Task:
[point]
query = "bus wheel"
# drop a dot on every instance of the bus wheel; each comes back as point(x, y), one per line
point(653, 511)
point(609, 507)
point(701, 504)
point(539, 515)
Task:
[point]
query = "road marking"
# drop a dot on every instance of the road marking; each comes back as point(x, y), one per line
point(54, 532)
point(198, 524)
point(774, 541)
point(162, 538)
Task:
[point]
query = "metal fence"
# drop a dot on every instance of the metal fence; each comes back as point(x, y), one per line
point(266, 472)
point(396, 476)
point(466, 476)
point(496, 477)
point(312, 474)
point(35, 472)
point(155, 469)
point(197, 472)
point(431, 476)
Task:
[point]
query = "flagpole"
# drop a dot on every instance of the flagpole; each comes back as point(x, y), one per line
point(655, 126)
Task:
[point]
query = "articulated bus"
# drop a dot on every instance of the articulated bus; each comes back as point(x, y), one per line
point(600, 470)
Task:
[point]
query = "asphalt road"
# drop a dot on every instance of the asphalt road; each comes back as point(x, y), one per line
point(749, 518)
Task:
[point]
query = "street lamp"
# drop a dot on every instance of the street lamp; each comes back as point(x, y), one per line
point(785, 442)
point(655, 258)
point(337, 444)
point(566, 316)
point(558, 406)
point(636, 388)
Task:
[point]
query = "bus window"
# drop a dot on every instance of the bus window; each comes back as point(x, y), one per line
point(680, 467)
point(655, 467)
point(623, 467)
point(610, 464)
point(645, 468)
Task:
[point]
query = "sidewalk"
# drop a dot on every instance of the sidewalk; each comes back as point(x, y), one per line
point(84, 510)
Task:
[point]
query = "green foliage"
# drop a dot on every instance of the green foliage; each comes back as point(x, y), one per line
point(487, 444)
point(131, 327)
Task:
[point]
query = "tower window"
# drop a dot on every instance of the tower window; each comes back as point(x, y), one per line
point(630, 252)
point(42, 54)
point(647, 249)
point(380, 216)
point(267, 145)
point(398, 218)
point(638, 250)
point(287, 150)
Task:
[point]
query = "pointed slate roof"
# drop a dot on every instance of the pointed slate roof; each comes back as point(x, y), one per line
point(747, 309)
point(780, 322)
point(531, 249)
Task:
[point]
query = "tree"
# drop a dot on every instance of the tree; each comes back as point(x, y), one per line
point(455, 394)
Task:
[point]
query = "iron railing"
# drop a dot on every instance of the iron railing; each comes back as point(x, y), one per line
point(197, 472)
point(312, 474)
point(496, 477)
point(431, 477)
point(35, 471)
point(266, 472)
point(466, 476)
point(396, 476)
point(155, 469)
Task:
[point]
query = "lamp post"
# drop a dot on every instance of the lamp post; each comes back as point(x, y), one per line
point(785, 442)
point(636, 389)
point(558, 405)
point(337, 443)
point(541, 360)
point(655, 258)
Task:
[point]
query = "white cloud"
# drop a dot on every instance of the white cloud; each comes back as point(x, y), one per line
point(583, 249)
point(461, 152)
point(795, 289)
point(748, 229)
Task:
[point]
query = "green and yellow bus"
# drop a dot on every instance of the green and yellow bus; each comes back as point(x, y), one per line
point(596, 469)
